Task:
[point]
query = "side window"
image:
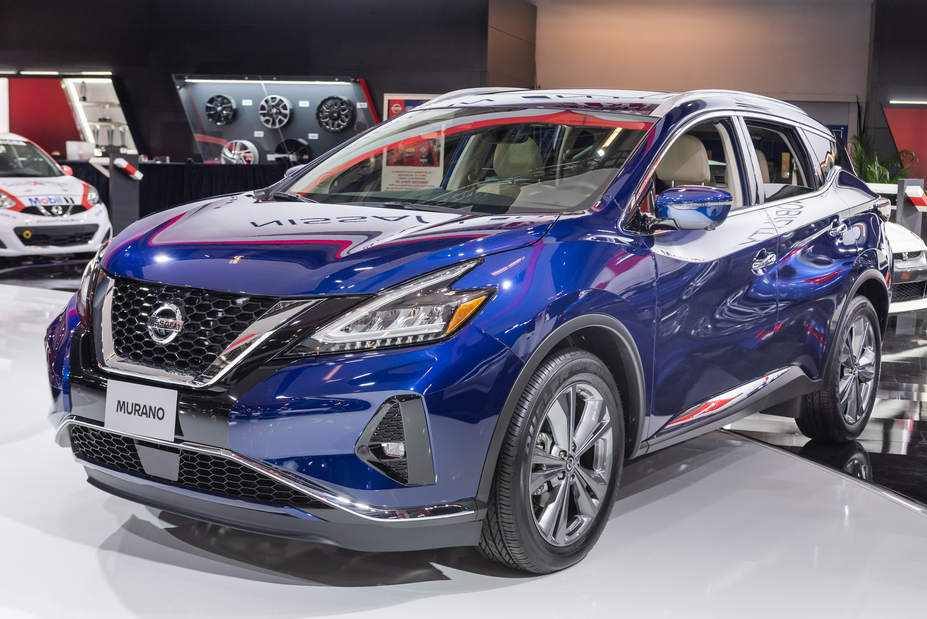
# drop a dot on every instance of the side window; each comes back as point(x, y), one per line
point(824, 151)
point(704, 155)
point(785, 169)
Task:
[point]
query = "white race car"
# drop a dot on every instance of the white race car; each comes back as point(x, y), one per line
point(909, 270)
point(43, 209)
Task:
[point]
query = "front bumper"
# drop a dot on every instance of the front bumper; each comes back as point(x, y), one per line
point(11, 245)
point(299, 424)
point(316, 514)
point(909, 290)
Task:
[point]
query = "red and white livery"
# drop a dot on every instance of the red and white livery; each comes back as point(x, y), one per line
point(43, 209)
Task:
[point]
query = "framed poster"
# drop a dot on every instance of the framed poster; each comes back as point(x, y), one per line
point(395, 103)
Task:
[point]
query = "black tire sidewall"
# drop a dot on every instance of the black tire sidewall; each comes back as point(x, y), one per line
point(586, 368)
point(860, 306)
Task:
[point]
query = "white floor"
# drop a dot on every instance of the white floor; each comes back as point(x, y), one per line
point(716, 527)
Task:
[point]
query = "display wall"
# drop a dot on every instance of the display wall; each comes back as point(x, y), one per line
point(408, 46)
point(899, 73)
point(770, 47)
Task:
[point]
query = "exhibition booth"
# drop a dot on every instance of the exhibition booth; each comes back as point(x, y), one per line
point(482, 307)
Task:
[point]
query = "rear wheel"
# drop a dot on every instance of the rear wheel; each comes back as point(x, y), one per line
point(839, 412)
point(559, 468)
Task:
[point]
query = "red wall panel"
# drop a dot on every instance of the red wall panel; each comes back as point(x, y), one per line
point(909, 128)
point(39, 111)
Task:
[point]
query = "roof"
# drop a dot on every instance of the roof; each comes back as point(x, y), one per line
point(646, 103)
point(13, 136)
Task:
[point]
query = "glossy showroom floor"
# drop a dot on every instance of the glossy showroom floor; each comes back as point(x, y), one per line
point(721, 526)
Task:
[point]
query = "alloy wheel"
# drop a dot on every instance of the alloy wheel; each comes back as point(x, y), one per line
point(857, 370)
point(571, 464)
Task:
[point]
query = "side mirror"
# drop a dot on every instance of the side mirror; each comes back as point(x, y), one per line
point(693, 207)
point(67, 170)
point(294, 170)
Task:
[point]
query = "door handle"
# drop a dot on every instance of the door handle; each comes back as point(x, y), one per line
point(839, 229)
point(763, 261)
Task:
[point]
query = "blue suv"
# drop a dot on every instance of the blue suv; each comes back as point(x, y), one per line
point(455, 328)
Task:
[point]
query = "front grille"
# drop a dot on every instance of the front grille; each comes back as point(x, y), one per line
point(56, 236)
point(49, 211)
point(211, 321)
point(106, 448)
point(907, 292)
point(198, 471)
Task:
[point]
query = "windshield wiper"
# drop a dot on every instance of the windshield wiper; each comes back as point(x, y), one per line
point(285, 196)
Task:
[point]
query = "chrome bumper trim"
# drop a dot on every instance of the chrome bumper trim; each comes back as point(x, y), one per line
point(376, 514)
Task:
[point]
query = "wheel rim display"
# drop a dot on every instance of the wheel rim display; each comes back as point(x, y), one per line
point(571, 464)
point(857, 370)
point(275, 111)
point(297, 148)
point(335, 114)
point(220, 109)
point(240, 152)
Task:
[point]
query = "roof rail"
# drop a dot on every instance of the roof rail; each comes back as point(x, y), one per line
point(470, 91)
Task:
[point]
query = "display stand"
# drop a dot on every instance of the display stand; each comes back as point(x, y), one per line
point(123, 192)
point(906, 213)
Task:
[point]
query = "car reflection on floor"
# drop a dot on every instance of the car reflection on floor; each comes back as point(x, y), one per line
point(49, 272)
point(892, 450)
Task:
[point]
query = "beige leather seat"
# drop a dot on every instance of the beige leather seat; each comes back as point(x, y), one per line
point(514, 160)
point(764, 167)
point(685, 163)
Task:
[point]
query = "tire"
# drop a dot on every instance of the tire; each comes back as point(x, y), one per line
point(524, 529)
point(838, 413)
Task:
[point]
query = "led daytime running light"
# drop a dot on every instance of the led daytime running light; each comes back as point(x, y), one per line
point(421, 311)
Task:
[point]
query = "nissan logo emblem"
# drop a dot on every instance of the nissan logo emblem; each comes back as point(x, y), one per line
point(165, 323)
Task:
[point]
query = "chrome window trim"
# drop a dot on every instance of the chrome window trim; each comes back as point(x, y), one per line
point(376, 514)
point(249, 340)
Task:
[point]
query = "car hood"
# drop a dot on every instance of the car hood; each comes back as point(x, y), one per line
point(903, 240)
point(39, 187)
point(237, 244)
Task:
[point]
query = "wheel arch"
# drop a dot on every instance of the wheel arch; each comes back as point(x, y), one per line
point(872, 286)
point(608, 339)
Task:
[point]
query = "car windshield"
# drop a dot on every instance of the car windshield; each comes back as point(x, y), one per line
point(20, 158)
point(493, 160)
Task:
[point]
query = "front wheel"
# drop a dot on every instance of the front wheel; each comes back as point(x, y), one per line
point(559, 468)
point(839, 412)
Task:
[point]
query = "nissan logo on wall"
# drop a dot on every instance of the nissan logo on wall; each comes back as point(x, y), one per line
point(165, 323)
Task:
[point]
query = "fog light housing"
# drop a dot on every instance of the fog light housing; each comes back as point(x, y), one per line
point(396, 442)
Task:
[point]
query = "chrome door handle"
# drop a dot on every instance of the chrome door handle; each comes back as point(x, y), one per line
point(763, 261)
point(839, 229)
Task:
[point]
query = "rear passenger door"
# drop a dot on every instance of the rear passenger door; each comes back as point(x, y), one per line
point(817, 240)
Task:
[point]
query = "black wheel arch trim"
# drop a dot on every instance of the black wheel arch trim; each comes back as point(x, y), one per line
point(870, 274)
point(635, 406)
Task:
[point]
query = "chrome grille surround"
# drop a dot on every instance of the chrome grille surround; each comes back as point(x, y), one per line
point(221, 328)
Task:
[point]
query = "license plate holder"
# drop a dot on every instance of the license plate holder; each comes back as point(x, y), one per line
point(144, 411)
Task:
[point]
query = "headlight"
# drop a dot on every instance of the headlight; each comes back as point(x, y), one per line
point(88, 282)
point(6, 201)
point(418, 312)
point(93, 198)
